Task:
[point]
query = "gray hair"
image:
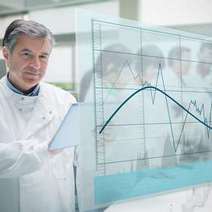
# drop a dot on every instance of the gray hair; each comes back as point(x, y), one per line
point(25, 27)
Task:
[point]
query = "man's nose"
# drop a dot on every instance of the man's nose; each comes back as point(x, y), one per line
point(35, 63)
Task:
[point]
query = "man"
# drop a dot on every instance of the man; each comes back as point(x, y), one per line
point(32, 178)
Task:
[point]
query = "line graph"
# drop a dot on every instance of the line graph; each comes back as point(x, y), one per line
point(147, 117)
point(114, 95)
point(153, 89)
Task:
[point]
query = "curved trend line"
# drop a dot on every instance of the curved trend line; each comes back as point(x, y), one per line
point(150, 87)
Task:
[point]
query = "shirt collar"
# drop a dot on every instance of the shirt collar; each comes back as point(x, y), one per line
point(33, 92)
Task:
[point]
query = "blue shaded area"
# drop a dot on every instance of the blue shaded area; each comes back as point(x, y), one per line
point(123, 186)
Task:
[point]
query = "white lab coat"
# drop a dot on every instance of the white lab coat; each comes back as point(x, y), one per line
point(31, 179)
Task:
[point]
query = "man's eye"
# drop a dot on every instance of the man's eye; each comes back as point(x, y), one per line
point(44, 57)
point(26, 55)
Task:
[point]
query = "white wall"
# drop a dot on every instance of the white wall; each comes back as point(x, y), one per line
point(175, 12)
point(17, 4)
point(4, 22)
point(62, 20)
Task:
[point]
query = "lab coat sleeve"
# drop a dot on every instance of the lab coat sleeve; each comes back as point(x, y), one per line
point(21, 157)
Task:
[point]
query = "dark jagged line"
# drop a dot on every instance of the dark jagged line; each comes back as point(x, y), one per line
point(125, 64)
point(199, 110)
point(166, 95)
point(147, 85)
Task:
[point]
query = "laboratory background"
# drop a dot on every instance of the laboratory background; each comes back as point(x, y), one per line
point(113, 78)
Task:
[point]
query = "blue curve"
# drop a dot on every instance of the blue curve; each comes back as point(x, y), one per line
point(157, 89)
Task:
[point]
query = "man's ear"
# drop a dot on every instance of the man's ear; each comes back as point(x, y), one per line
point(5, 52)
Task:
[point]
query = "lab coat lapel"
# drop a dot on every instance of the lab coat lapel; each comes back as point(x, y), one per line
point(42, 114)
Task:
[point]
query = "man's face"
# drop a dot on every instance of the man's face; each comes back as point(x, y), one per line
point(28, 62)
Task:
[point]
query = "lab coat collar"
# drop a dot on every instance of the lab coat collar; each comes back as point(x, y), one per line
point(33, 91)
